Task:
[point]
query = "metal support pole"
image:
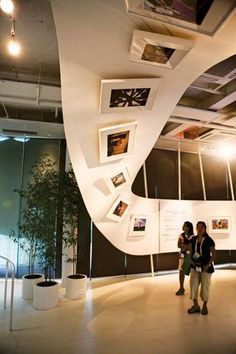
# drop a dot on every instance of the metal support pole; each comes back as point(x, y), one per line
point(146, 196)
point(12, 297)
point(91, 250)
point(5, 290)
point(230, 178)
point(202, 174)
point(179, 172)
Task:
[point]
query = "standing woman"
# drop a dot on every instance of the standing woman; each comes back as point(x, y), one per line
point(184, 245)
point(203, 256)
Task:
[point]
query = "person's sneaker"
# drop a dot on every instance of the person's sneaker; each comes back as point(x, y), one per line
point(204, 310)
point(180, 292)
point(194, 309)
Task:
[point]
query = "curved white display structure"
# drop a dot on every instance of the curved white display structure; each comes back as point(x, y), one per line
point(94, 39)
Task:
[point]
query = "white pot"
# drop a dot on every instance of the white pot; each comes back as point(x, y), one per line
point(76, 286)
point(28, 282)
point(46, 295)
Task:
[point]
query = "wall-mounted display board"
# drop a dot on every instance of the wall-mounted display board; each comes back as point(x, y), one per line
point(220, 217)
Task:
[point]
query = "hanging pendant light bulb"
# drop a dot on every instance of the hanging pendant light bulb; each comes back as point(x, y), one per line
point(7, 6)
point(14, 47)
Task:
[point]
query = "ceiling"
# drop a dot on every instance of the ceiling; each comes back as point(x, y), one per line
point(205, 115)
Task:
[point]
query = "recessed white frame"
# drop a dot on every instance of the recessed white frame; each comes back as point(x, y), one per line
point(119, 209)
point(158, 49)
point(116, 141)
point(118, 180)
point(220, 224)
point(128, 94)
point(138, 225)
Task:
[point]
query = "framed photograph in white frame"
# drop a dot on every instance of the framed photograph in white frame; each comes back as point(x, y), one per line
point(220, 224)
point(158, 49)
point(118, 209)
point(128, 95)
point(138, 225)
point(118, 180)
point(205, 16)
point(116, 141)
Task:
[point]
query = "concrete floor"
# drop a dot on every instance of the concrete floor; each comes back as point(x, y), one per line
point(125, 316)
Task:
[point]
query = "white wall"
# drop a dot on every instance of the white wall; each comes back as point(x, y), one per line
point(94, 38)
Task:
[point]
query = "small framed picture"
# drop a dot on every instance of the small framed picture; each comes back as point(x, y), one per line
point(118, 180)
point(119, 209)
point(128, 95)
point(117, 141)
point(220, 224)
point(158, 49)
point(138, 225)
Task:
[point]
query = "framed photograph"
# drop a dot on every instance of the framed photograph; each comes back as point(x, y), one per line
point(128, 95)
point(138, 225)
point(118, 180)
point(119, 209)
point(205, 16)
point(158, 49)
point(117, 141)
point(220, 224)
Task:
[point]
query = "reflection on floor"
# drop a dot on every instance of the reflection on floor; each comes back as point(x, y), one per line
point(125, 316)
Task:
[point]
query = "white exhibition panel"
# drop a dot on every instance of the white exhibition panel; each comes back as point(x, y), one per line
point(94, 37)
point(173, 213)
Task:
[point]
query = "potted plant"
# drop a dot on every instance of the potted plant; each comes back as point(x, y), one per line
point(75, 284)
point(45, 188)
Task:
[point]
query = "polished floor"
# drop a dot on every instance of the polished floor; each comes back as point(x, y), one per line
point(138, 315)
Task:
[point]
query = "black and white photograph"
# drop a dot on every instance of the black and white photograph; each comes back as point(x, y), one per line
point(203, 16)
point(128, 95)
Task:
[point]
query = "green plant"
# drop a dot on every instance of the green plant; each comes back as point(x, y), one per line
point(38, 225)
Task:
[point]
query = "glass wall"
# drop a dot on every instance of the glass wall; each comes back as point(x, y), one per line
point(16, 160)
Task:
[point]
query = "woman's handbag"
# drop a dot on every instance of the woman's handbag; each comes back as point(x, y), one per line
point(187, 264)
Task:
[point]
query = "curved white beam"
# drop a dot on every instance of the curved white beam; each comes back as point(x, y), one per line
point(94, 39)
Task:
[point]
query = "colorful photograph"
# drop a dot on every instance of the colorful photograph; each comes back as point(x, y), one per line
point(220, 224)
point(139, 224)
point(158, 49)
point(117, 143)
point(118, 209)
point(157, 54)
point(118, 180)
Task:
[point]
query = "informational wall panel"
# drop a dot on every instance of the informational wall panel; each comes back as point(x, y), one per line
point(220, 217)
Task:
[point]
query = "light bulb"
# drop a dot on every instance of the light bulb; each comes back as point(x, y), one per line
point(7, 6)
point(14, 47)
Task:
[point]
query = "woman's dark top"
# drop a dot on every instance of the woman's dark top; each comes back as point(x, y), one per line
point(204, 251)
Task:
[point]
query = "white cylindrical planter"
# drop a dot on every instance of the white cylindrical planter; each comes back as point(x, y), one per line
point(46, 295)
point(28, 282)
point(76, 286)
